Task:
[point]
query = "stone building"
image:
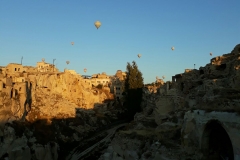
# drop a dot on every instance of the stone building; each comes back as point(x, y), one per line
point(14, 68)
point(120, 75)
point(102, 79)
point(117, 84)
point(118, 88)
point(30, 69)
point(18, 79)
point(46, 67)
point(2, 70)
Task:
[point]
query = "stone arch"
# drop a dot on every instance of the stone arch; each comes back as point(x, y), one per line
point(216, 143)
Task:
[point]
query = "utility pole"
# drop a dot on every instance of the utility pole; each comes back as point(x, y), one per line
point(21, 60)
point(53, 64)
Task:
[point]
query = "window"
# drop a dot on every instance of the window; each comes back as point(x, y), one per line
point(11, 93)
point(18, 69)
point(16, 93)
point(98, 81)
point(20, 89)
point(15, 69)
point(103, 81)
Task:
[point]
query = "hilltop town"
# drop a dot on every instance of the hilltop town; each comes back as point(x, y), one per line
point(194, 116)
point(26, 83)
point(43, 94)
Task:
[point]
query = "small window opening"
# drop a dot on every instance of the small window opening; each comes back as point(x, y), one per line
point(16, 93)
point(11, 93)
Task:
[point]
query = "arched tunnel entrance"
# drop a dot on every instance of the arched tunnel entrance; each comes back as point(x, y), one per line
point(216, 144)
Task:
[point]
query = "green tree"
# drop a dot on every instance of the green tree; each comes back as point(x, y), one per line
point(133, 89)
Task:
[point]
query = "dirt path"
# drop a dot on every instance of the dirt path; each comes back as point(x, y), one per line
point(111, 132)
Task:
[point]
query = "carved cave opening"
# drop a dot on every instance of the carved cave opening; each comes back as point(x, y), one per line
point(221, 67)
point(216, 143)
point(11, 96)
point(182, 86)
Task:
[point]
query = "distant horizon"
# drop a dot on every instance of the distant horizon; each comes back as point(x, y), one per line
point(46, 29)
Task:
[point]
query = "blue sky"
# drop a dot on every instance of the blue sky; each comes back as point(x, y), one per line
point(45, 29)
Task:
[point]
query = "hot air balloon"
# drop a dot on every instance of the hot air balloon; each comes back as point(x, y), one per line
point(139, 55)
point(72, 43)
point(43, 59)
point(67, 62)
point(172, 48)
point(85, 70)
point(97, 24)
point(210, 54)
point(163, 77)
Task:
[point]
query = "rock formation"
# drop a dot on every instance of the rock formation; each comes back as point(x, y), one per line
point(167, 127)
point(41, 110)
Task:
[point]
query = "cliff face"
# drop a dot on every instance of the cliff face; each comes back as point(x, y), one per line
point(50, 110)
point(166, 129)
point(49, 95)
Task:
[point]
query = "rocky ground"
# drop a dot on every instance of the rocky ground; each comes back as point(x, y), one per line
point(52, 138)
point(137, 141)
point(144, 139)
